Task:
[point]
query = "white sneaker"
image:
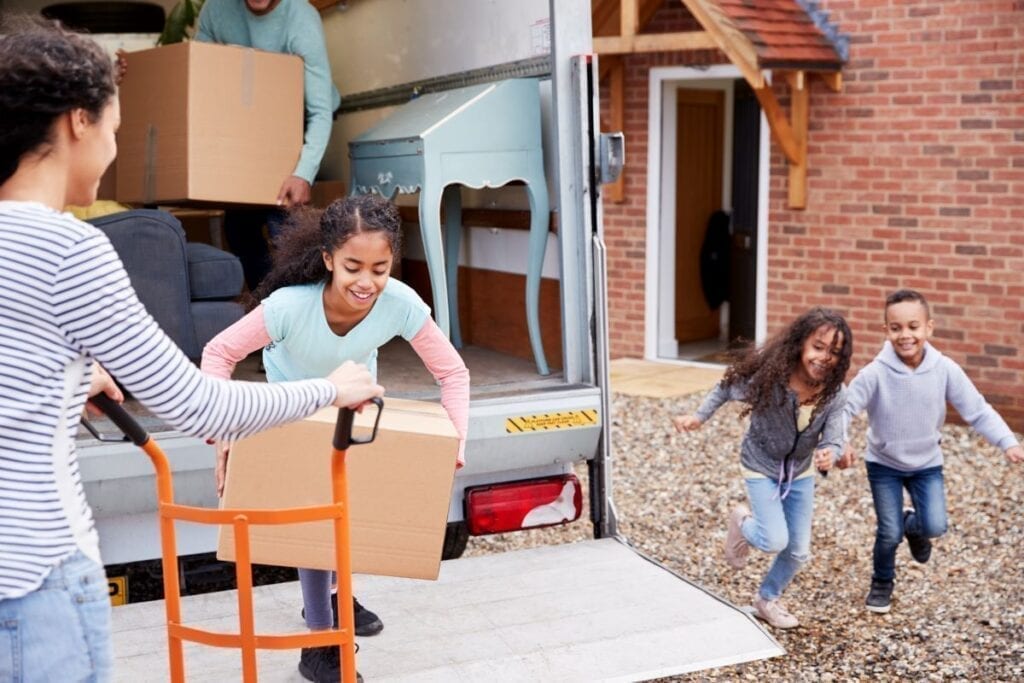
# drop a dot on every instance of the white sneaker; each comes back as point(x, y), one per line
point(736, 547)
point(774, 613)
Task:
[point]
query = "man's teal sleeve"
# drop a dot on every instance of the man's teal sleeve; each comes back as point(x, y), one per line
point(319, 96)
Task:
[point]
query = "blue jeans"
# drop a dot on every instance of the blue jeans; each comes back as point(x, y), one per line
point(780, 526)
point(928, 495)
point(61, 630)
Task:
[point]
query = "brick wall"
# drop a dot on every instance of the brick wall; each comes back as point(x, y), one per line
point(916, 179)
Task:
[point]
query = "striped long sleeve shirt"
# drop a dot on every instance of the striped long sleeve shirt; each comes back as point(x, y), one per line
point(65, 303)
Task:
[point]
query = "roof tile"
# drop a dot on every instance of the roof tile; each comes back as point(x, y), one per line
point(794, 33)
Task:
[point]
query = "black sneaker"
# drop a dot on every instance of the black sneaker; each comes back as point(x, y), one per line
point(920, 547)
point(879, 597)
point(367, 623)
point(322, 664)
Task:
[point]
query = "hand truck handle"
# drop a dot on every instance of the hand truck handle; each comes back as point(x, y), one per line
point(343, 427)
point(120, 417)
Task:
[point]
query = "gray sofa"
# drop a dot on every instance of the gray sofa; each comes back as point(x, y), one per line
point(191, 289)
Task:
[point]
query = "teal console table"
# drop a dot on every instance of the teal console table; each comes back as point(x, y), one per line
point(479, 136)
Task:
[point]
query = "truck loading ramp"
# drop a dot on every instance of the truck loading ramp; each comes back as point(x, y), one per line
point(587, 611)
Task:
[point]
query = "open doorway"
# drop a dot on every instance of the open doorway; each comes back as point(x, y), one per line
point(700, 120)
point(706, 214)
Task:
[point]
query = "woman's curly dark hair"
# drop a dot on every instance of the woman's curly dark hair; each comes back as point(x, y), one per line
point(308, 233)
point(45, 71)
point(768, 368)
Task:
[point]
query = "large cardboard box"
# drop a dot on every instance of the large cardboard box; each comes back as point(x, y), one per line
point(399, 487)
point(205, 122)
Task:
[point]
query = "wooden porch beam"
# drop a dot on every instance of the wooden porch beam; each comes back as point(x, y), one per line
point(654, 42)
point(799, 106)
point(602, 16)
point(629, 18)
point(832, 79)
point(605, 22)
point(730, 40)
point(779, 124)
point(796, 79)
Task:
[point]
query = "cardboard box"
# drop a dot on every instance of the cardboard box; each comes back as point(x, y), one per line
point(205, 122)
point(399, 488)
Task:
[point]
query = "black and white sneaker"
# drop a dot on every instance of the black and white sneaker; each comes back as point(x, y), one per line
point(367, 623)
point(879, 597)
point(322, 665)
point(920, 547)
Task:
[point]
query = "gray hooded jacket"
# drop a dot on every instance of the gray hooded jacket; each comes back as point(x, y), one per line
point(772, 445)
point(907, 406)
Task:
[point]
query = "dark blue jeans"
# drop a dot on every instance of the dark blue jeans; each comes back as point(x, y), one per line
point(928, 495)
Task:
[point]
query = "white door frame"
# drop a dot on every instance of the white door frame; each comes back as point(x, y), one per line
point(659, 286)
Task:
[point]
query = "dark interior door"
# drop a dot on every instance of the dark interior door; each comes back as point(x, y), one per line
point(745, 163)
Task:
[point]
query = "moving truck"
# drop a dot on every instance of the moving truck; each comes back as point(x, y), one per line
point(596, 609)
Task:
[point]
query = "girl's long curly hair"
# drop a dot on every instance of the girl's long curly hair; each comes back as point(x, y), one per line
point(309, 233)
point(45, 72)
point(767, 369)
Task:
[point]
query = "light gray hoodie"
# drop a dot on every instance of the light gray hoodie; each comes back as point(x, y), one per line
point(907, 407)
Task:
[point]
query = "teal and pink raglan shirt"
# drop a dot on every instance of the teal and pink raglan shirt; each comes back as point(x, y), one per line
point(292, 329)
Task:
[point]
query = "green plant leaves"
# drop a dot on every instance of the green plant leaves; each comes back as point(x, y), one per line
point(180, 22)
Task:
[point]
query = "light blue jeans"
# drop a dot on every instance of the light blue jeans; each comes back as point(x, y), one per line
point(60, 631)
point(780, 526)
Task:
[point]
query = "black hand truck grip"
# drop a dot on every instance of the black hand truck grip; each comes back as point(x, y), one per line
point(343, 427)
point(120, 417)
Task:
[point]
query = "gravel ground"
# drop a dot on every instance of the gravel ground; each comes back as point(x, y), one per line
point(959, 617)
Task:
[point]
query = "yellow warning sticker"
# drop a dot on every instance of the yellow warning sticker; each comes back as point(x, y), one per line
point(548, 421)
point(117, 586)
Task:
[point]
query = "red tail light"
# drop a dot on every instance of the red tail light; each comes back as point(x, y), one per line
point(526, 504)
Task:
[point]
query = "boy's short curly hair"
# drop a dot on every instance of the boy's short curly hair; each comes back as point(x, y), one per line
point(901, 295)
point(45, 71)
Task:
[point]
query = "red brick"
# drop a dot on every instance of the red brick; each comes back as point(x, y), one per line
point(920, 159)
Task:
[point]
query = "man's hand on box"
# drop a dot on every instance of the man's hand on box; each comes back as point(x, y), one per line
point(294, 190)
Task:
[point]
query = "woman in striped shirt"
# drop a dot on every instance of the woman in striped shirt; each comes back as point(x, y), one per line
point(66, 305)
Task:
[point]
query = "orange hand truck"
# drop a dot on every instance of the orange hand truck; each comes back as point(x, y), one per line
point(246, 639)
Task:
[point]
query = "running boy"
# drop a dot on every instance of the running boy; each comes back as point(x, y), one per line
point(904, 391)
